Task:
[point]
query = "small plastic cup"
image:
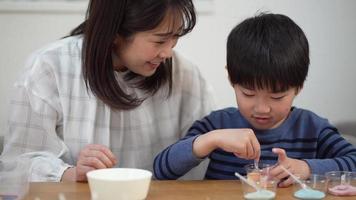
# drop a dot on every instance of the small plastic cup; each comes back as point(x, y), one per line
point(14, 182)
point(341, 183)
point(258, 174)
point(316, 187)
point(338, 178)
point(267, 190)
point(353, 179)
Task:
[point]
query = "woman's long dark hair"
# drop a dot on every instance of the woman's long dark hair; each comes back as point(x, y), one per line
point(105, 19)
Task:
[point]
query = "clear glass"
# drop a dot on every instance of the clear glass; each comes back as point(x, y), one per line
point(267, 192)
point(262, 173)
point(338, 178)
point(341, 183)
point(316, 188)
point(14, 174)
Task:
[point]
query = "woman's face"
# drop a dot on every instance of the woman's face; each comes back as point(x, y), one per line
point(145, 51)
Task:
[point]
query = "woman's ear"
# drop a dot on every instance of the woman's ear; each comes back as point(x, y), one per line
point(118, 39)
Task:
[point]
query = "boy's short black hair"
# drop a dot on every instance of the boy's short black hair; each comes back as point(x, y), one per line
point(268, 51)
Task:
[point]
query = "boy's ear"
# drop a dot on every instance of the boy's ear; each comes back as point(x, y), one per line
point(297, 90)
point(228, 76)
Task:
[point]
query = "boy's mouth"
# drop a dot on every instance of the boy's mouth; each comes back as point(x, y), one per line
point(261, 120)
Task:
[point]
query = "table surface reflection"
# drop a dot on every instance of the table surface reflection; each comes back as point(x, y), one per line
point(174, 190)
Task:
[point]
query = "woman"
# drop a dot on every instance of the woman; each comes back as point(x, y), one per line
point(113, 93)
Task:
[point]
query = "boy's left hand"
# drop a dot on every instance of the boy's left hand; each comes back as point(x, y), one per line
point(295, 166)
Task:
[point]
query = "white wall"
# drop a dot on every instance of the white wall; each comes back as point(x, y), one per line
point(25, 28)
point(330, 26)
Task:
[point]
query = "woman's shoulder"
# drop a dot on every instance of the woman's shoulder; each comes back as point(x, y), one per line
point(65, 47)
point(53, 64)
point(185, 72)
point(188, 78)
point(62, 56)
point(182, 65)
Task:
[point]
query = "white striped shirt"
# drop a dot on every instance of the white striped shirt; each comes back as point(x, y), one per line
point(53, 115)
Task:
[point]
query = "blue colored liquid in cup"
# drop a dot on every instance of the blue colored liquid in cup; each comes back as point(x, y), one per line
point(309, 194)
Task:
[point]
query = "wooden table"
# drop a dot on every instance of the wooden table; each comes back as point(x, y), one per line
point(171, 190)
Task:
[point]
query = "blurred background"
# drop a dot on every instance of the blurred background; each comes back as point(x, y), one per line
point(330, 26)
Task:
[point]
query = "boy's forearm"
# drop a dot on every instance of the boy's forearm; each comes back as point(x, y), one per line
point(205, 144)
point(175, 160)
point(321, 166)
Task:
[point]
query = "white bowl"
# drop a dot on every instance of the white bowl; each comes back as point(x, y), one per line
point(119, 183)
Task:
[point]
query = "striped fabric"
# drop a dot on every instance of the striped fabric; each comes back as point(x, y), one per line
point(303, 135)
point(53, 115)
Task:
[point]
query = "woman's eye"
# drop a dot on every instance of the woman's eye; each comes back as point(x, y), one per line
point(160, 42)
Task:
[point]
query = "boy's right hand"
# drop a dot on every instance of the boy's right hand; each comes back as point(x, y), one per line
point(241, 142)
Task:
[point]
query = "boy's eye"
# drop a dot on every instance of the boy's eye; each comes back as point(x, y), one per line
point(277, 97)
point(247, 94)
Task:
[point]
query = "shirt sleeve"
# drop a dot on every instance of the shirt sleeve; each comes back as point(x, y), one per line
point(33, 120)
point(177, 159)
point(334, 154)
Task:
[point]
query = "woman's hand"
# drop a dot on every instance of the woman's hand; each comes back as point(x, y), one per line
point(93, 156)
point(297, 167)
point(242, 142)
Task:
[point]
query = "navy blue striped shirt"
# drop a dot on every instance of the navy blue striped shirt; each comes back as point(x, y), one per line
point(303, 135)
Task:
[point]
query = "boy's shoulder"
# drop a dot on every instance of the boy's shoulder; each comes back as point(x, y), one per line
point(307, 119)
point(225, 114)
point(225, 111)
point(306, 114)
point(229, 117)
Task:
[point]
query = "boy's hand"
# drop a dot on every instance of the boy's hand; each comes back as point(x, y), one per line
point(297, 167)
point(242, 142)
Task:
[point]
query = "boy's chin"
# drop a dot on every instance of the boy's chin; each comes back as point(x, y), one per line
point(272, 124)
point(263, 126)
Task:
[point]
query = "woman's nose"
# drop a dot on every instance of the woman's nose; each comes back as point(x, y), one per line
point(167, 50)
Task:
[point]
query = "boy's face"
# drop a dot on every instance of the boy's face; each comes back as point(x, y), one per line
point(264, 109)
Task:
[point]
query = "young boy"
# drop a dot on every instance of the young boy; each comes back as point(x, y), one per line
point(267, 63)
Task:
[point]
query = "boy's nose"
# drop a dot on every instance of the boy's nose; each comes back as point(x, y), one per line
point(262, 107)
